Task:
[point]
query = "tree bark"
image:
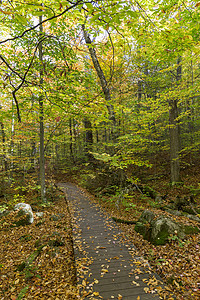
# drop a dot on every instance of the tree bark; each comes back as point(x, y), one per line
point(101, 76)
point(41, 117)
point(4, 148)
point(174, 131)
point(88, 138)
point(71, 140)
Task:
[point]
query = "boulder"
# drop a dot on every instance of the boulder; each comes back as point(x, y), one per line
point(194, 218)
point(25, 214)
point(162, 228)
point(146, 216)
point(57, 217)
point(4, 213)
point(158, 229)
point(39, 214)
point(143, 224)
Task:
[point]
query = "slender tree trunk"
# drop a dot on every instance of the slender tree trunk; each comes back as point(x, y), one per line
point(88, 138)
point(190, 110)
point(41, 116)
point(4, 148)
point(103, 81)
point(12, 143)
point(71, 140)
point(33, 152)
point(174, 142)
point(97, 135)
point(139, 98)
point(57, 155)
point(75, 150)
point(174, 131)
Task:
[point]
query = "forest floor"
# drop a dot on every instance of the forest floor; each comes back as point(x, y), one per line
point(36, 261)
point(51, 274)
point(177, 262)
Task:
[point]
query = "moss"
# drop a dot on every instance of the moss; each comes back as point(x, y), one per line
point(142, 228)
point(188, 229)
point(162, 231)
point(147, 190)
point(162, 238)
point(123, 221)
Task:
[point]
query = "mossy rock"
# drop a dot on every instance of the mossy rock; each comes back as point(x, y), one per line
point(57, 217)
point(26, 237)
point(189, 229)
point(142, 228)
point(4, 213)
point(148, 191)
point(188, 210)
point(157, 230)
point(163, 228)
point(146, 216)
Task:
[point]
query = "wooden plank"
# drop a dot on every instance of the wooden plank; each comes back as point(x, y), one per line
point(107, 264)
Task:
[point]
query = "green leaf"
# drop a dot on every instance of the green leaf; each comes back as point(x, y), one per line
point(90, 6)
point(21, 19)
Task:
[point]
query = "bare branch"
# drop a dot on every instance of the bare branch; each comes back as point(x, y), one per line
point(44, 21)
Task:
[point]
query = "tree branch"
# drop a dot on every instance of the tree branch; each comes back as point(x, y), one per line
point(44, 21)
point(24, 79)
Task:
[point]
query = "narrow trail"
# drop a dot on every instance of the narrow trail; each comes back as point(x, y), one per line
point(107, 265)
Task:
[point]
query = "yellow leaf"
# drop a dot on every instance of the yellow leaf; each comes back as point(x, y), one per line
point(146, 289)
point(95, 294)
point(136, 283)
point(17, 281)
point(138, 298)
point(176, 283)
point(84, 283)
point(104, 270)
point(5, 12)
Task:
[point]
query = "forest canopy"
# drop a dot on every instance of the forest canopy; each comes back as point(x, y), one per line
point(117, 81)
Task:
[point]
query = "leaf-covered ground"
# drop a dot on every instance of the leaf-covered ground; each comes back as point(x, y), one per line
point(178, 262)
point(51, 274)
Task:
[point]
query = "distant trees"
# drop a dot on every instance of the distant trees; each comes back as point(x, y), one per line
point(135, 97)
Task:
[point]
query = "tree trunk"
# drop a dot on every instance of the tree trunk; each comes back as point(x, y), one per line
point(71, 140)
point(174, 131)
point(88, 138)
point(4, 148)
point(103, 81)
point(41, 116)
point(12, 143)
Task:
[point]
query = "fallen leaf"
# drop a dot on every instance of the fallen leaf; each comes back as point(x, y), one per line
point(146, 289)
point(84, 283)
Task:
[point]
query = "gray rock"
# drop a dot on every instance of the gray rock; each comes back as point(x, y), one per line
point(26, 211)
point(4, 213)
point(194, 218)
point(146, 216)
point(175, 212)
point(39, 214)
point(158, 199)
point(158, 229)
point(56, 217)
point(162, 228)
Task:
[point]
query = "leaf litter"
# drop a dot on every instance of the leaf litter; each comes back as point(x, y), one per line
point(51, 274)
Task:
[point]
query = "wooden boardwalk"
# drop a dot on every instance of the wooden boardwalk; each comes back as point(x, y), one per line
point(107, 265)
